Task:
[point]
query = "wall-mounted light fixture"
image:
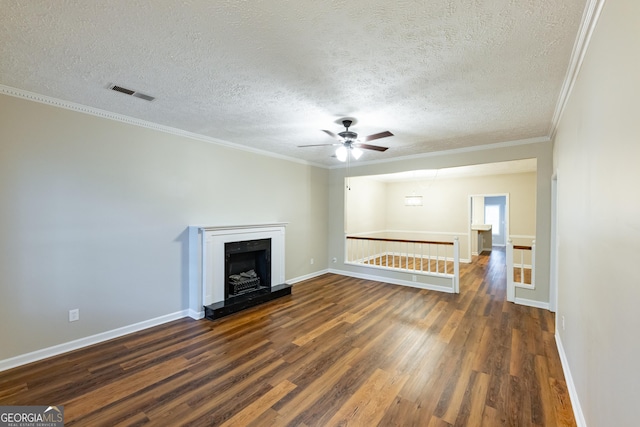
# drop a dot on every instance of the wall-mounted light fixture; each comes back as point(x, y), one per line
point(413, 200)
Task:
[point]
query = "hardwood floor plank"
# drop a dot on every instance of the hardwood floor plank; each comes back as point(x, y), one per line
point(518, 353)
point(338, 351)
point(259, 406)
point(367, 406)
point(403, 413)
point(490, 417)
point(120, 389)
point(477, 397)
point(542, 373)
point(446, 333)
point(562, 403)
point(321, 385)
point(452, 401)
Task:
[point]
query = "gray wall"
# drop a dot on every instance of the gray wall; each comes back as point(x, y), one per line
point(95, 213)
point(597, 155)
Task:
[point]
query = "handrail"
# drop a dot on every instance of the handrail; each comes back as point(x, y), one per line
point(382, 239)
point(511, 268)
point(420, 257)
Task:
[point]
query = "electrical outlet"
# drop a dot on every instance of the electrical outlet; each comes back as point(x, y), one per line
point(414, 277)
point(312, 261)
point(334, 260)
point(563, 323)
point(74, 315)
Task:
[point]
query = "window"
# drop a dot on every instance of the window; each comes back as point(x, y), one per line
point(492, 216)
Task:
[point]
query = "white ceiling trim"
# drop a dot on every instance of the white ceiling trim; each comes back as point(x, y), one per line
point(585, 31)
point(43, 99)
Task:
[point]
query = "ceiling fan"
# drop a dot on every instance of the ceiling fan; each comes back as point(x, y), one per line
point(348, 142)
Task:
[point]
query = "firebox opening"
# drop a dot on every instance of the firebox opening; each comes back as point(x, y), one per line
point(247, 267)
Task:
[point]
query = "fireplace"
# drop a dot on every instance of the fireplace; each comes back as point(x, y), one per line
point(247, 267)
point(232, 268)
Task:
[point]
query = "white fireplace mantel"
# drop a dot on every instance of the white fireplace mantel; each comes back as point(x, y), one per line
point(206, 259)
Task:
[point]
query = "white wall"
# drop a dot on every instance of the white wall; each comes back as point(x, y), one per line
point(597, 155)
point(95, 213)
point(542, 151)
point(368, 199)
point(445, 204)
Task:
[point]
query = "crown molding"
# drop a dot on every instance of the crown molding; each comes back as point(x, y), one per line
point(67, 105)
point(585, 31)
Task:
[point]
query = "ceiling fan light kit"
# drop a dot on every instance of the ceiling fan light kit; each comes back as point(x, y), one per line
point(349, 142)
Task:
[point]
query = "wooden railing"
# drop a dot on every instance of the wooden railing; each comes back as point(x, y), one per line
point(424, 257)
point(521, 267)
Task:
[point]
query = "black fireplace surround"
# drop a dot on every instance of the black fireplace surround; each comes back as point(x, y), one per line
point(249, 263)
point(247, 278)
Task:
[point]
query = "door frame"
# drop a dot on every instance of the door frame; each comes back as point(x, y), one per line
point(506, 215)
point(554, 244)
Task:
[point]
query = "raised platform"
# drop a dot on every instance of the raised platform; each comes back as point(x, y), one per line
point(234, 305)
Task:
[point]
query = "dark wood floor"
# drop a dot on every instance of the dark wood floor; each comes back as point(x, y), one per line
point(338, 351)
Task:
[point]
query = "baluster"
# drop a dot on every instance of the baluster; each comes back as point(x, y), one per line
point(533, 263)
point(368, 252)
point(386, 252)
point(375, 252)
point(521, 266)
point(456, 265)
point(415, 266)
point(406, 256)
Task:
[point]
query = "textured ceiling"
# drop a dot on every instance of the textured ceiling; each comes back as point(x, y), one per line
point(440, 75)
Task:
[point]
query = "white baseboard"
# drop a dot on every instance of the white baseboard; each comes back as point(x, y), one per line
point(573, 394)
point(408, 283)
point(307, 276)
point(196, 315)
point(532, 303)
point(87, 341)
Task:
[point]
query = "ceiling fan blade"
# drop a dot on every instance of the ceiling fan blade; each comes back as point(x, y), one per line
point(377, 136)
point(331, 134)
point(371, 147)
point(318, 145)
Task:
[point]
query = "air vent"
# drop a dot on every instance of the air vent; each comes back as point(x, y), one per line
point(143, 96)
point(131, 92)
point(123, 90)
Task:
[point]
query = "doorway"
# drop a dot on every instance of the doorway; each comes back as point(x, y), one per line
point(495, 214)
point(488, 210)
